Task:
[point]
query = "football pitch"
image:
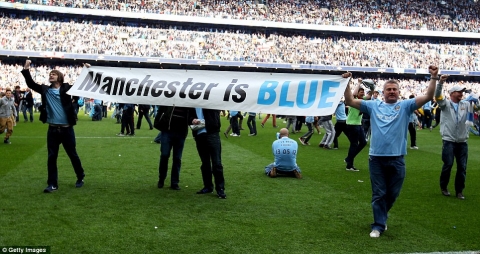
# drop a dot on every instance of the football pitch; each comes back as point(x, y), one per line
point(121, 210)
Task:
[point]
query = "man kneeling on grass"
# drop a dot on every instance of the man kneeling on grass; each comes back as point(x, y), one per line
point(285, 151)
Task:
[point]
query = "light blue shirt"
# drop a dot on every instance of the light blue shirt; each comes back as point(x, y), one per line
point(233, 113)
point(200, 116)
point(55, 112)
point(309, 119)
point(285, 152)
point(389, 124)
point(427, 106)
point(340, 112)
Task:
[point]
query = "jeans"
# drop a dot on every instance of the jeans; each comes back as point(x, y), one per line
point(413, 134)
point(252, 124)
point(140, 117)
point(171, 140)
point(340, 126)
point(459, 151)
point(30, 112)
point(427, 123)
point(306, 137)
point(356, 136)
point(387, 174)
point(66, 137)
point(209, 149)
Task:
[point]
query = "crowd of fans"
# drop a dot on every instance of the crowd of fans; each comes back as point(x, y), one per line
point(446, 15)
point(10, 76)
point(49, 33)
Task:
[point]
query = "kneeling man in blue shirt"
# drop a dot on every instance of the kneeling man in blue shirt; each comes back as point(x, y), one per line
point(285, 151)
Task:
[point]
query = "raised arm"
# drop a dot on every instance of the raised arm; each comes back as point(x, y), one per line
point(349, 99)
point(422, 99)
point(28, 78)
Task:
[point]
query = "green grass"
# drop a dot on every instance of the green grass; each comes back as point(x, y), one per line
point(326, 212)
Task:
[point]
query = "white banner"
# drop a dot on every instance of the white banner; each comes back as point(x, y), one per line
point(261, 92)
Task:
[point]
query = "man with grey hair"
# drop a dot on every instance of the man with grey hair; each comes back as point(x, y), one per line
point(454, 131)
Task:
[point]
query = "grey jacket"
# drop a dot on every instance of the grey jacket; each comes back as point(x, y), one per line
point(7, 107)
point(452, 123)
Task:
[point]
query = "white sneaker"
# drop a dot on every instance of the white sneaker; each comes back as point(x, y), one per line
point(235, 135)
point(352, 169)
point(414, 147)
point(375, 234)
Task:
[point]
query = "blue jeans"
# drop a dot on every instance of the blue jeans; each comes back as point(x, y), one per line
point(356, 136)
point(209, 149)
point(171, 140)
point(30, 111)
point(459, 151)
point(387, 174)
point(252, 125)
point(66, 137)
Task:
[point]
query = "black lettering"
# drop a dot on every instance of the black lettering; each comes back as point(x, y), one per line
point(107, 86)
point(156, 88)
point(119, 82)
point(88, 80)
point(141, 87)
point(173, 90)
point(184, 87)
point(207, 92)
point(130, 91)
point(192, 94)
point(226, 97)
point(242, 95)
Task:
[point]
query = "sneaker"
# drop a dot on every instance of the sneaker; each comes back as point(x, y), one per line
point(79, 183)
point(263, 125)
point(352, 169)
point(160, 184)
point(302, 141)
point(231, 134)
point(131, 135)
point(7, 141)
point(50, 189)
point(221, 194)
point(306, 143)
point(276, 126)
point(253, 134)
point(175, 187)
point(327, 147)
point(121, 135)
point(273, 172)
point(205, 191)
point(375, 234)
point(445, 192)
point(235, 135)
point(297, 174)
point(414, 147)
point(460, 196)
point(225, 134)
point(431, 129)
point(321, 145)
point(335, 148)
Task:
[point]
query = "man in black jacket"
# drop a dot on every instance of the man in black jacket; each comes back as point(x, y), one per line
point(27, 105)
point(57, 110)
point(172, 122)
point(209, 149)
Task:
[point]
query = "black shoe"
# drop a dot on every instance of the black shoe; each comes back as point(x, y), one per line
point(205, 191)
point(460, 196)
point(50, 189)
point(6, 141)
point(160, 184)
point(221, 194)
point(79, 183)
point(175, 187)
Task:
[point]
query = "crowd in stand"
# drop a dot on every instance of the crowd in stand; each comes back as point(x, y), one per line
point(40, 33)
point(447, 15)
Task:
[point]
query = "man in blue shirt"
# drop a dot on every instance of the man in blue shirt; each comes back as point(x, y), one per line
point(58, 111)
point(389, 121)
point(285, 151)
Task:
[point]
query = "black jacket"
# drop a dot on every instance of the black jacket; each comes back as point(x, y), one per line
point(64, 97)
point(28, 100)
point(171, 118)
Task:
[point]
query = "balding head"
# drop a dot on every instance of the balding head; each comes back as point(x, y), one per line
point(283, 132)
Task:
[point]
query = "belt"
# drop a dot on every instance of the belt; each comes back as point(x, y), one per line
point(59, 125)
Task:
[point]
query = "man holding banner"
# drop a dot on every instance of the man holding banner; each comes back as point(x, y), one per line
point(389, 121)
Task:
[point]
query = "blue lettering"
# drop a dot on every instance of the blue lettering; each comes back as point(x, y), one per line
point(283, 96)
point(311, 94)
point(327, 94)
point(267, 95)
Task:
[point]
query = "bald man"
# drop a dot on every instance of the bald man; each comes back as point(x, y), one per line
point(285, 151)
